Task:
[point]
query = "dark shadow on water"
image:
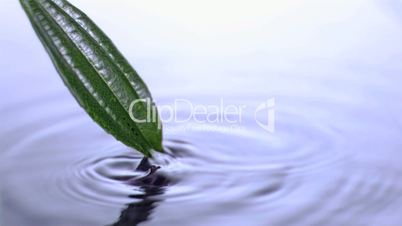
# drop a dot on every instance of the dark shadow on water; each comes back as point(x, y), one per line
point(153, 185)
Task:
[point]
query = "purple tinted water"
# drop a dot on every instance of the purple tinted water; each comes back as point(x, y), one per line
point(333, 159)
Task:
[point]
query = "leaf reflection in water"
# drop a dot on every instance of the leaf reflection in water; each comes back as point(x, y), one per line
point(153, 184)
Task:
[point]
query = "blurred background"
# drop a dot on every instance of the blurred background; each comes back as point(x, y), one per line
point(333, 68)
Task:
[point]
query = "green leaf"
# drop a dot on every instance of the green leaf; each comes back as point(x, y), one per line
point(96, 73)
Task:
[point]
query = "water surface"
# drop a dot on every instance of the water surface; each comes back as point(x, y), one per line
point(333, 159)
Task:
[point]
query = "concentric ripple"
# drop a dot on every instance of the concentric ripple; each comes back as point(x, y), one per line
point(305, 173)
